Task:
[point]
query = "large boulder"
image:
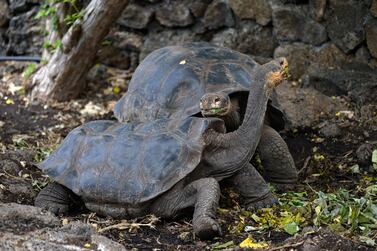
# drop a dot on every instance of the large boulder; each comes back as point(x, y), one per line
point(373, 8)
point(345, 23)
point(259, 10)
point(301, 56)
point(371, 35)
point(135, 16)
point(293, 23)
point(303, 107)
point(25, 34)
point(174, 15)
point(249, 38)
point(317, 9)
point(160, 38)
point(218, 14)
point(358, 81)
point(4, 12)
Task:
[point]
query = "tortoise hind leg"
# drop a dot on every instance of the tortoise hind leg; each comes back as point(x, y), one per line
point(252, 188)
point(278, 164)
point(203, 195)
point(56, 198)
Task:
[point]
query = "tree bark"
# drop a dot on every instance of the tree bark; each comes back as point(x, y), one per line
point(63, 78)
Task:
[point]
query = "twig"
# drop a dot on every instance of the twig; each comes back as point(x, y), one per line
point(305, 166)
point(287, 246)
point(127, 225)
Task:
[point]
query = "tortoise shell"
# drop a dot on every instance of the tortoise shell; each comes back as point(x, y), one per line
point(128, 163)
point(170, 81)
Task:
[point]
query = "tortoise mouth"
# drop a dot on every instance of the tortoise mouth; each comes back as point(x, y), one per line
point(214, 111)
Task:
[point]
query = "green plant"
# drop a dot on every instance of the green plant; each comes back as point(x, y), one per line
point(30, 69)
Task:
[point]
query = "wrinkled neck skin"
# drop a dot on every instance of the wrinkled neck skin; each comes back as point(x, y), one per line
point(232, 150)
point(233, 119)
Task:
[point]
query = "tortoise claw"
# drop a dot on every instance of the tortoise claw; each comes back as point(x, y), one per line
point(267, 201)
point(206, 228)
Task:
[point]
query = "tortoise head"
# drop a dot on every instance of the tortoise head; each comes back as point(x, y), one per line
point(215, 105)
point(277, 71)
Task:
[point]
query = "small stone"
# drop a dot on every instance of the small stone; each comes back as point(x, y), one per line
point(259, 10)
point(330, 130)
point(364, 154)
point(135, 16)
point(184, 236)
point(4, 13)
point(294, 24)
point(373, 8)
point(317, 9)
point(371, 35)
point(362, 55)
point(128, 40)
point(347, 33)
point(174, 15)
point(217, 15)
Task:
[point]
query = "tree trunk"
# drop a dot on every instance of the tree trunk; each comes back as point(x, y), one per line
point(64, 76)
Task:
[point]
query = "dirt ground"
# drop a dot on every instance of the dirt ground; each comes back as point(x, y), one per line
point(28, 132)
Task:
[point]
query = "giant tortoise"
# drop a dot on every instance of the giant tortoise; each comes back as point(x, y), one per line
point(162, 166)
point(170, 82)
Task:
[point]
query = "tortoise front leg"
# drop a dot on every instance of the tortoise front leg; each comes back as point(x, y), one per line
point(57, 199)
point(277, 161)
point(203, 195)
point(252, 188)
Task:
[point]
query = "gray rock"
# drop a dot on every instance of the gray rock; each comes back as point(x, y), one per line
point(358, 82)
point(24, 34)
point(303, 107)
point(329, 130)
point(113, 56)
point(21, 5)
point(217, 15)
point(362, 55)
point(346, 32)
point(249, 38)
point(371, 35)
point(157, 39)
point(301, 56)
point(364, 154)
point(174, 15)
point(197, 7)
point(24, 218)
point(135, 16)
point(293, 23)
point(317, 9)
point(4, 12)
point(74, 236)
point(127, 40)
point(373, 8)
point(259, 10)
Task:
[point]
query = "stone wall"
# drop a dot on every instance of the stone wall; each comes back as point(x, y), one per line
point(330, 44)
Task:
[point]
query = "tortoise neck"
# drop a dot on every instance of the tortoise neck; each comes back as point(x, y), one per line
point(248, 133)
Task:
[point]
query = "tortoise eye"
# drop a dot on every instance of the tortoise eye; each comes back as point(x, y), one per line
point(217, 99)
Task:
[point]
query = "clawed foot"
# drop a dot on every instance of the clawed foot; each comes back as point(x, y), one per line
point(267, 201)
point(206, 228)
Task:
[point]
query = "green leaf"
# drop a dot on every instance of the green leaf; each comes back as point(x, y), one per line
point(291, 228)
point(367, 240)
point(218, 246)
